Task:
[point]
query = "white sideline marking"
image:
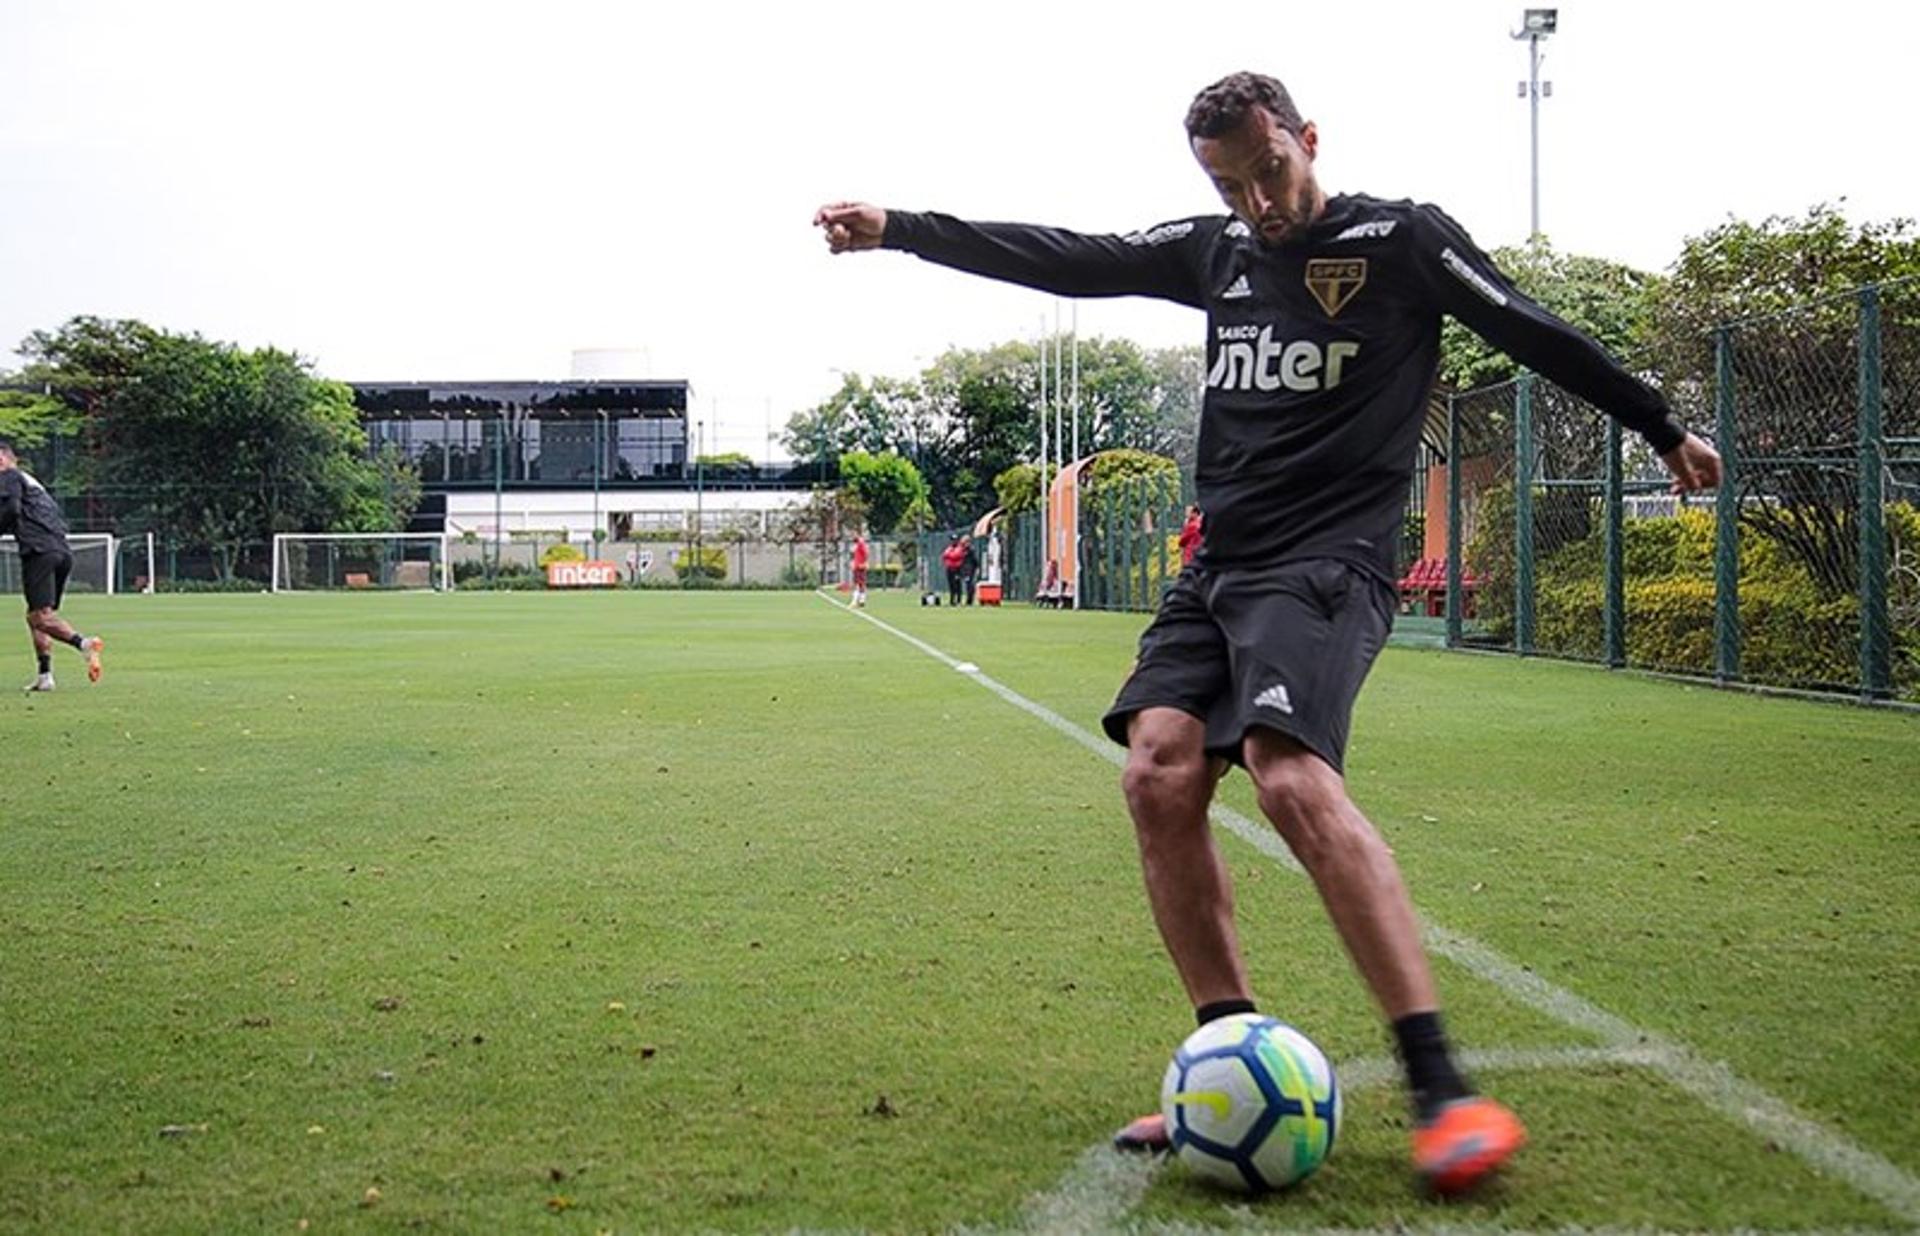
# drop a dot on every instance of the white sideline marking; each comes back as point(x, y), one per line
point(1710, 1081)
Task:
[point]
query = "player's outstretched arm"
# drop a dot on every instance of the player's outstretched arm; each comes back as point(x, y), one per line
point(851, 225)
point(1694, 464)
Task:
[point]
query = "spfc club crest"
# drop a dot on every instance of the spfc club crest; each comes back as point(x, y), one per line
point(1335, 281)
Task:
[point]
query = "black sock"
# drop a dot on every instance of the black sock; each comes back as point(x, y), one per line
point(79, 641)
point(1222, 1008)
point(1432, 1079)
point(46, 663)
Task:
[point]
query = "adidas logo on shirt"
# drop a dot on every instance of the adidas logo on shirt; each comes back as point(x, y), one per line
point(1237, 289)
point(1274, 697)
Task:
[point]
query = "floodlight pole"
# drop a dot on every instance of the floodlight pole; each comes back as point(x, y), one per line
point(1535, 25)
point(1046, 533)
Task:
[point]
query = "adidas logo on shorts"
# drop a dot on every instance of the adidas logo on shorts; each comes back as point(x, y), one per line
point(1274, 697)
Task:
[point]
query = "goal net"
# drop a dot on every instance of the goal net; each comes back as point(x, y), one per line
point(350, 561)
point(94, 558)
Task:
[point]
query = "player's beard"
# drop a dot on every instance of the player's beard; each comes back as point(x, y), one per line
point(1295, 218)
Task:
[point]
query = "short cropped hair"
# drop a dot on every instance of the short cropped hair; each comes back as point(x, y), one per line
point(1224, 106)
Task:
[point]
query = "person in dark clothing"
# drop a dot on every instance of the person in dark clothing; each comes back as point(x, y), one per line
point(969, 568)
point(30, 516)
point(1323, 337)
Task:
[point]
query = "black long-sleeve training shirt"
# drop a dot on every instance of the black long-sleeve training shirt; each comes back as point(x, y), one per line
point(1321, 354)
point(29, 514)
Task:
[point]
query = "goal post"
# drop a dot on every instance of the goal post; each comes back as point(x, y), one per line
point(95, 562)
point(362, 561)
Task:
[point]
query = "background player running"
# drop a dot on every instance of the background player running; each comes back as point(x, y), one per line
point(29, 514)
point(1323, 338)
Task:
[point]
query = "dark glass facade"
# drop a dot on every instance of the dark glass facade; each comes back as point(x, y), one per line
point(545, 434)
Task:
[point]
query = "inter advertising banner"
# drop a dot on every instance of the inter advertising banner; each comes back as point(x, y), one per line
point(583, 575)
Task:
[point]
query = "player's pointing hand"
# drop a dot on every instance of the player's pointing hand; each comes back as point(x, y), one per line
point(851, 225)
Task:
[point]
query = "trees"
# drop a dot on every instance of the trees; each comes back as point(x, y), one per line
point(213, 443)
point(1609, 301)
point(974, 413)
point(30, 417)
point(1785, 290)
point(889, 488)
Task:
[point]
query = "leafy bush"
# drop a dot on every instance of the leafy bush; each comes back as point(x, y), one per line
point(1791, 631)
point(800, 573)
point(704, 564)
point(563, 552)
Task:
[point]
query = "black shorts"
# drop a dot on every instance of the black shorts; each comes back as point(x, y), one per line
point(1284, 647)
point(43, 577)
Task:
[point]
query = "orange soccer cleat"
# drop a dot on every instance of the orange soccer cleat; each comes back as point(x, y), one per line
point(1464, 1144)
point(94, 645)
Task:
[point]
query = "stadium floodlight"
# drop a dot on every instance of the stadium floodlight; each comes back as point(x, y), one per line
point(1535, 25)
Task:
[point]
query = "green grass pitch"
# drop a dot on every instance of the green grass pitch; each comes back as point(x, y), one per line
point(735, 912)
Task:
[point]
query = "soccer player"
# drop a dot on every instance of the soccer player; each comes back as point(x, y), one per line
point(29, 514)
point(1323, 337)
point(859, 569)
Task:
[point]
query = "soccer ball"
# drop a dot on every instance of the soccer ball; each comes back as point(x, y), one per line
point(1251, 1103)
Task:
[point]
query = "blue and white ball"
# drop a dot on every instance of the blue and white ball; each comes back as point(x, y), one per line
point(1251, 1103)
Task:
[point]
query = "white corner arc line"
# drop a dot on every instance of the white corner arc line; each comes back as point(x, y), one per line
point(1712, 1082)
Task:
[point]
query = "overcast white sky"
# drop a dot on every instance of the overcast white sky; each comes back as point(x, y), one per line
point(473, 190)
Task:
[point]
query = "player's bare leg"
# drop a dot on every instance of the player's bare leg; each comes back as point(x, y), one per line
point(1460, 1138)
point(43, 653)
point(1355, 872)
point(1169, 782)
point(48, 625)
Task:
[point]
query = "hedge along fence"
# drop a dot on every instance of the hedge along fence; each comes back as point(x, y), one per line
point(1792, 631)
point(1801, 571)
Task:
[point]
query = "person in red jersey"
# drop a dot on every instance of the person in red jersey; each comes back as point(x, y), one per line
point(1190, 536)
point(859, 568)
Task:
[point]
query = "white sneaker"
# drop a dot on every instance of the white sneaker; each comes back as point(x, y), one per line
point(43, 683)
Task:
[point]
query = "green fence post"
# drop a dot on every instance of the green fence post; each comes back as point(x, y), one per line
point(1523, 516)
point(1456, 607)
point(1876, 634)
point(1726, 506)
point(1160, 525)
point(1616, 579)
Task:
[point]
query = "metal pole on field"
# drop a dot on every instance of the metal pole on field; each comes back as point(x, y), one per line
point(1076, 454)
point(1535, 25)
point(499, 462)
point(1726, 509)
point(1456, 611)
point(1523, 516)
point(1876, 635)
point(1616, 573)
point(1046, 532)
point(1076, 379)
point(599, 449)
point(1059, 401)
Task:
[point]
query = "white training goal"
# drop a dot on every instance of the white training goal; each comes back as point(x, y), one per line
point(361, 561)
point(95, 557)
